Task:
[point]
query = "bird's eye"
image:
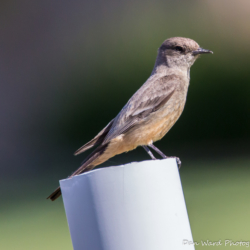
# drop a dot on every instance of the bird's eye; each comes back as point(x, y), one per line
point(179, 48)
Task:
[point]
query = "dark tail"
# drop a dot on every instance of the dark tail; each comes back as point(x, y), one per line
point(57, 193)
point(85, 167)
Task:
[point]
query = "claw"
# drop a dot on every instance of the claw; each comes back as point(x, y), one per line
point(178, 161)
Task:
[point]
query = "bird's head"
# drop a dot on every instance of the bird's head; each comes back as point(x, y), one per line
point(179, 52)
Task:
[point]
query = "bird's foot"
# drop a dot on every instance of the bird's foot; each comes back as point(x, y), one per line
point(178, 161)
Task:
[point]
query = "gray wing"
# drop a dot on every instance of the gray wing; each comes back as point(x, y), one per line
point(96, 141)
point(151, 97)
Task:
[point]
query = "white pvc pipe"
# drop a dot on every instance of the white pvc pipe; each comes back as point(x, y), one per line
point(138, 206)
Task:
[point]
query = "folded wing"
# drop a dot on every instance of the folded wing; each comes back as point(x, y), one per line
point(150, 98)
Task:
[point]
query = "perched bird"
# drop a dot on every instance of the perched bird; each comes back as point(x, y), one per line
point(151, 111)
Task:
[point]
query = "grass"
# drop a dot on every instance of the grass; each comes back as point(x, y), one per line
point(34, 225)
point(216, 194)
point(218, 202)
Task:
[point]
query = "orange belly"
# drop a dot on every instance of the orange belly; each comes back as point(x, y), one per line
point(153, 130)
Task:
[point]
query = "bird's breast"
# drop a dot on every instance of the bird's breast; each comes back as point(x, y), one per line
point(167, 120)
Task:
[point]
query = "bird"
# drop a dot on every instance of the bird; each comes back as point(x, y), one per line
point(151, 111)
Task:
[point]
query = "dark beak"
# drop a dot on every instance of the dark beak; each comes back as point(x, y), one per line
point(202, 51)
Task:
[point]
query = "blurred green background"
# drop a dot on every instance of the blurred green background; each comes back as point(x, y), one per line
point(68, 67)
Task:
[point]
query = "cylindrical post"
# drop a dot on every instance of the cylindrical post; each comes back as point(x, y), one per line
point(138, 206)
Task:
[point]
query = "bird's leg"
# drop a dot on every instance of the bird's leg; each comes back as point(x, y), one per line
point(149, 152)
point(157, 150)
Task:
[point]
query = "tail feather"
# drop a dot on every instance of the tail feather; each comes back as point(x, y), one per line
point(57, 193)
point(86, 166)
point(97, 140)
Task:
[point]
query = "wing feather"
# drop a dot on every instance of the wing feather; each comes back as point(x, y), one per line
point(97, 140)
point(151, 97)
